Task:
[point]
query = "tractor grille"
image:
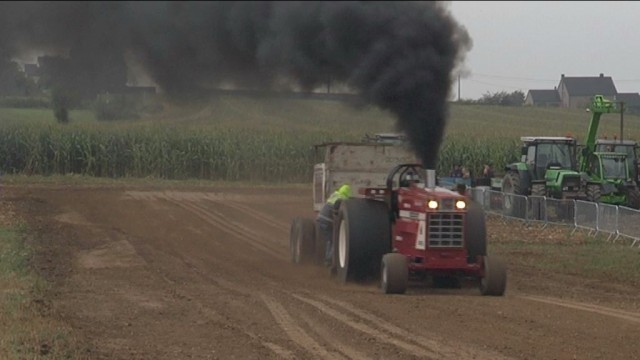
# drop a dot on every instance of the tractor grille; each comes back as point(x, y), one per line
point(447, 204)
point(571, 183)
point(446, 230)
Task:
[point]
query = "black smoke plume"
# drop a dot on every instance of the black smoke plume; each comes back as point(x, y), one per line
point(396, 55)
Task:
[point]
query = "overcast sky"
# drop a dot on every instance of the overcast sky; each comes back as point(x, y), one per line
point(522, 45)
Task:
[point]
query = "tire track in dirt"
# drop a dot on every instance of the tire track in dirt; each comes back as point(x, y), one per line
point(280, 351)
point(620, 314)
point(213, 316)
point(295, 332)
point(409, 341)
point(412, 349)
point(457, 352)
point(300, 337)
point(282, 317)
point(189, 201)
point(232, 228)
point(267, 219)
point(325, 333)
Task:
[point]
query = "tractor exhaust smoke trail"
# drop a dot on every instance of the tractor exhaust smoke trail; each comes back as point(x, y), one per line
point(397, 55)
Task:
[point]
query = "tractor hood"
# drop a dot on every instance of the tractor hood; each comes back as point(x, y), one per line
point(441, 199)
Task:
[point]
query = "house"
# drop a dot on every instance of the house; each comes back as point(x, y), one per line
point(542, 98)
point(631, 101)
point(574, 92)
point(577, 92)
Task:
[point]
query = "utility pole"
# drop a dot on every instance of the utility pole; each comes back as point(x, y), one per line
point(621, 120)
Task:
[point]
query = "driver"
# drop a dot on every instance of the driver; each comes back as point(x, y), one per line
point(410, 177)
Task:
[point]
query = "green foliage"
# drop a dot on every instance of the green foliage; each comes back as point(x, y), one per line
point(21, 102)
point(25, 327)
point(225, 154)
point(14, 254)
point(501, 98)
point(260, 139)
point(575, 256)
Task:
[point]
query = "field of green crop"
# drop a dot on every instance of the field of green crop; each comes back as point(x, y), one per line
point(263, 139)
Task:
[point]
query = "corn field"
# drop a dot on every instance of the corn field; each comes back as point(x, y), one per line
point(229, 154)
point(474, 152)
point(259, 141)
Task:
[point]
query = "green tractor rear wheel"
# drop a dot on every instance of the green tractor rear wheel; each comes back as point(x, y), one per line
point(511, 186)
point(633, 198)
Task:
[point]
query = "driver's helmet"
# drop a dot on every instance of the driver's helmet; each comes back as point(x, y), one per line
point(345, 190)
point(408, 178)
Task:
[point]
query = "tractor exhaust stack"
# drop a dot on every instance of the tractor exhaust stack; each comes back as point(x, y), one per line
point(431, 179)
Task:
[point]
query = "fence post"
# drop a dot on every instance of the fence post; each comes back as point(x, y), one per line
point(575, 215)
point(597, 229)
point(617, 224)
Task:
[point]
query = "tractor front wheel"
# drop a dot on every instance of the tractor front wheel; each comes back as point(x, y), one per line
point(494, 281)
point(475, 231)
point(394, 275)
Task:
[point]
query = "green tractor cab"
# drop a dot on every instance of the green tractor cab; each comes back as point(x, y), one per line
point(610, 180)
point(628, 147)
point(546, 168)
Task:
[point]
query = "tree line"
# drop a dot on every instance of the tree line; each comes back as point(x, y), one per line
point(502, 98)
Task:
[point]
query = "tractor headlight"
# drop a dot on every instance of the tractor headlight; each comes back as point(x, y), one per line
point(432, 204)
point(460, 204)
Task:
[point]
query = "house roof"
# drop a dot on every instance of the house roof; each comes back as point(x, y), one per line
point(588, 85)
point(631, 99)
point(544, 96)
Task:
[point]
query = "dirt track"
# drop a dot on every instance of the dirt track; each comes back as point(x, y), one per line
point(205, 274)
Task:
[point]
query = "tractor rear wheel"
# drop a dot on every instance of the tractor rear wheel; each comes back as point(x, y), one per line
point(494, 281)
point(475, 231)
point(394, 275)
point(538, 190)
point(593, 192)
point(362, 236)
point(302, 240)
point(633, 198)
point(511, 188)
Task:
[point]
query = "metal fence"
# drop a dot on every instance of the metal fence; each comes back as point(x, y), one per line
point(610, 220)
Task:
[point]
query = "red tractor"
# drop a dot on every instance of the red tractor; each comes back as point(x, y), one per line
point(408, 230)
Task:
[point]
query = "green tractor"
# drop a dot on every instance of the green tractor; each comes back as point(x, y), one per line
point(610, 180)
point(547, 168)
point(628, 147)
point(609, 177)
